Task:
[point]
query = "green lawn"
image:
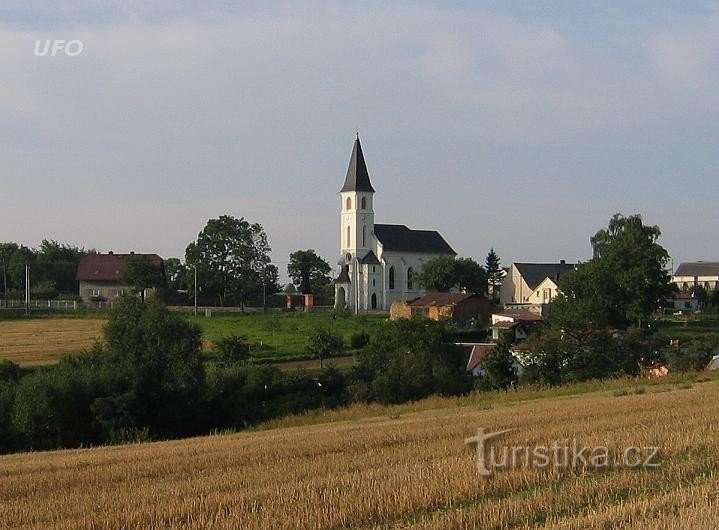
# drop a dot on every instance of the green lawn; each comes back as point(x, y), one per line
point(282, 336)
point(689, 326)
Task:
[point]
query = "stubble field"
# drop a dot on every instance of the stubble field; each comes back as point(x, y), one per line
point(398, 469)
point(39, 341)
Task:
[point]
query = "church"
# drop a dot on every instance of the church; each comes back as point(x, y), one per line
point(378, 262)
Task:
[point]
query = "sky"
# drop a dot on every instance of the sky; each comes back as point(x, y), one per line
point(522, 126)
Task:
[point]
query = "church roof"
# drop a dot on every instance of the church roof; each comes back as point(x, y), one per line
point(357, 178)
point(370, 259)
point(399, 238)
point(343, 277)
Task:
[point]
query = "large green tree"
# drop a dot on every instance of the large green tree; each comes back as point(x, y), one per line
point(142, 274)
point(447, 272)
point(624, 283)
point(232, 258)
point(309, 272)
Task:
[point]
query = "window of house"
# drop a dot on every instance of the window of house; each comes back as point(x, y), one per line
point(391, 277)
point(410, 278)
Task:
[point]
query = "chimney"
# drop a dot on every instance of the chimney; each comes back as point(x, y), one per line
point(562, 262)
point(111, 253)
point(132, 252)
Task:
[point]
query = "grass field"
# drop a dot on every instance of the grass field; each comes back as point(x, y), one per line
point(281, 336)
point(402, 467)
point(38, 341)
point(275, 337)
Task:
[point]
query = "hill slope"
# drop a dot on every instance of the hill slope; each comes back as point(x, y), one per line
point(392, 471)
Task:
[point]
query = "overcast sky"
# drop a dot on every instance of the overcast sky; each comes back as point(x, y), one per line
point(518, 125)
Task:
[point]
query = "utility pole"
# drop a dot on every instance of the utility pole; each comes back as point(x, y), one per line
point(27, 289)
point(264, 289)
point(195, 285)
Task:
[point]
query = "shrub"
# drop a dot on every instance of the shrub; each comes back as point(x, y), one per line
point(359, 340)
point(233, 349)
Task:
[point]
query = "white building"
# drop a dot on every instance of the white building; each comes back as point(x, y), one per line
point(697, 274)
point(378, 262)
point(532, 285)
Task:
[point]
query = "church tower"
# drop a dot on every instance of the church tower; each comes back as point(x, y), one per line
point(357, 213)
point(356, 236)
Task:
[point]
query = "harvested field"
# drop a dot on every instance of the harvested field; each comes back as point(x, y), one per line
point(39, 341)
point(393, 471)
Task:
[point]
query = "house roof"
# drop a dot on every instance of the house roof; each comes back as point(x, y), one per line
point(535, 273)
point(357, 178)
point(698, 268)
point(478, 353)
point(399, 238)
point(521, 316)
point(441, 299)
point(108, 267)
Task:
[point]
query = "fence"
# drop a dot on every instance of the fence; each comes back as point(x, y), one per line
point(54, 305)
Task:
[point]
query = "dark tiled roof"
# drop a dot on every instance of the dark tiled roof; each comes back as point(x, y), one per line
point(698, 268)
point(534, 273)
point(521, 316)
point(108, 267)
point(357, 178)
point(440, 299)
point(370, 259)
point(478, 354)
point(399, 238)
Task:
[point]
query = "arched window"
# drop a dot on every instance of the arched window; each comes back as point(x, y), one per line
point(374, 301)
point(349, 204)
point(364, 203)
point(391, 277)
point(364, 234)
point(410, 278)
point(348, 237)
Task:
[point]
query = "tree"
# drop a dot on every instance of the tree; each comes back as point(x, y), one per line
point(438, 274)
point(7, 250)
point(233, 349)
point(499, 369)
point(308, 271)
point(471, 276)
point(177, 274)
point(625, 282)
point(494, 273)
point(142, 274)
point(409, 359)
point(231, 256)
point(323, 343)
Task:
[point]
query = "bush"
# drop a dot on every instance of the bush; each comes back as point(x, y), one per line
point(233, 349)
point(323, 343)
point(9, 371)
point(359, 340)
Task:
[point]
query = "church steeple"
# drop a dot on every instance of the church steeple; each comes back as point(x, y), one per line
point(357, 178)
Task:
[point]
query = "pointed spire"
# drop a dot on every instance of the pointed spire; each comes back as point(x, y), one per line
point(357, 178)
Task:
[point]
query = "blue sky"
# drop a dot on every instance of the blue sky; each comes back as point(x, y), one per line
point(518, 125)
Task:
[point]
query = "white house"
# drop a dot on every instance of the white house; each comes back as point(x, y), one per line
point(697, 273)
point(532, 285)
point(378, 262)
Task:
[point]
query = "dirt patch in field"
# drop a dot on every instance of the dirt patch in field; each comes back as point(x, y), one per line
point(45, 340)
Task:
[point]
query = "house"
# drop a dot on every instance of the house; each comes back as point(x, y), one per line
point(683, 301)
point(531, 286)
point(457, 307)
point(100, 276)
point(477, 352)
point(697, 274)
point(517, 323)
point(378, 262)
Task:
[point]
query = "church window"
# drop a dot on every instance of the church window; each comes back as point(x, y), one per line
point(391, 277)
point(410, 278)
point(364, 234)
point(364, 203)
point(374, 301)
point(349, 204)
point(348, 237)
